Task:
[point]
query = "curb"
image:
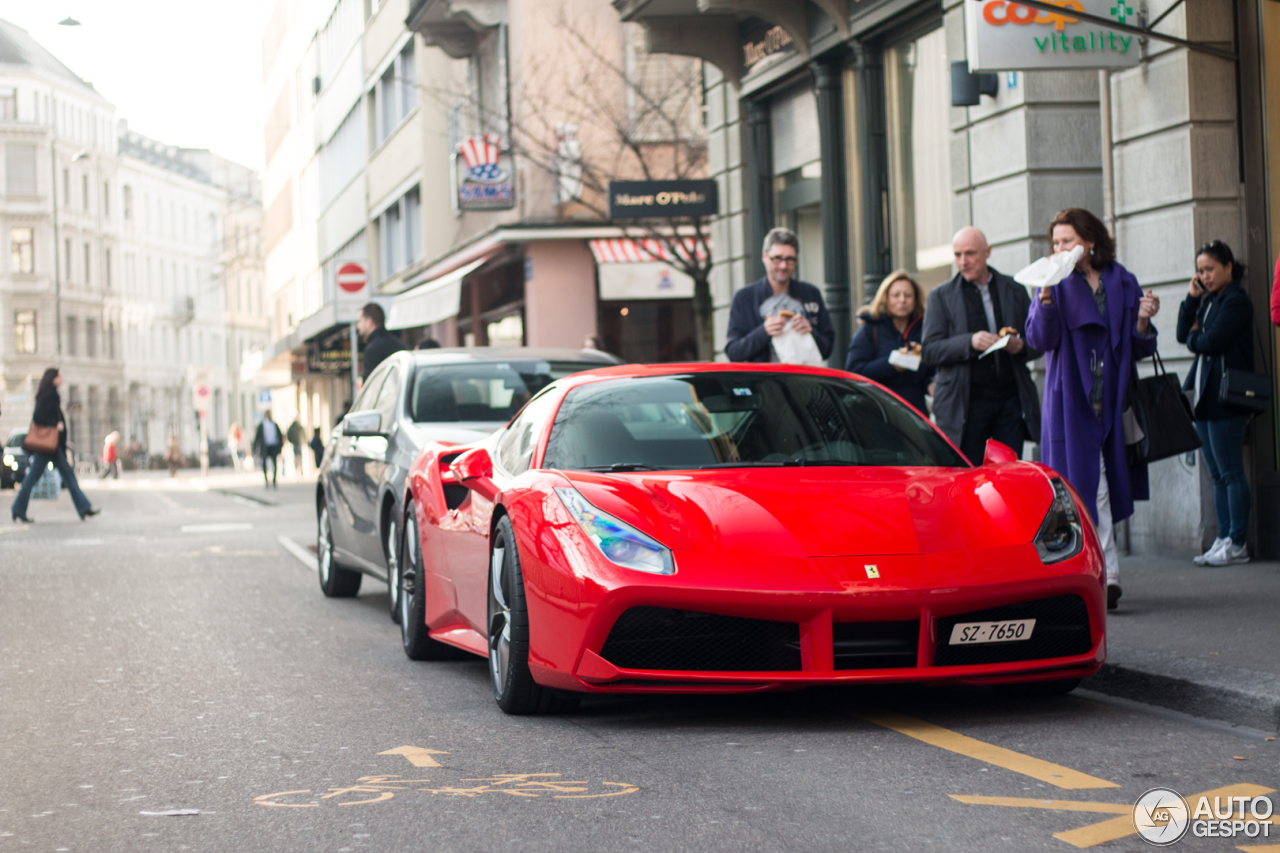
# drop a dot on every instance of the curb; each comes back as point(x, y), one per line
point(1242, 697)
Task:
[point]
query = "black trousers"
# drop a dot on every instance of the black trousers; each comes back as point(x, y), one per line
point(1000, 419)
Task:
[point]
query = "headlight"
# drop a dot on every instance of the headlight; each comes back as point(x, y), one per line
point(1061, 537)
point(8, 460)
point(620, 543)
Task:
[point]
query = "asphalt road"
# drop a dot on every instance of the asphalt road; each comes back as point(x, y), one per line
point(146, 668)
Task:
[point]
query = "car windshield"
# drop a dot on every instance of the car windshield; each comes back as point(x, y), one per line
point(739, 419)
point(16, 439)
point(482, 391)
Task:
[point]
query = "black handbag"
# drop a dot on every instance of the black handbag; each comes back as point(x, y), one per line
point(1163, 416)
point(1244, 390)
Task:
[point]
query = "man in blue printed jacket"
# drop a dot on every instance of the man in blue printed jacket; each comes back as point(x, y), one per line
point(755, 317)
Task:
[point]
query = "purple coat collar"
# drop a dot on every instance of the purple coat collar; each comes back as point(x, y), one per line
point(1079, 309)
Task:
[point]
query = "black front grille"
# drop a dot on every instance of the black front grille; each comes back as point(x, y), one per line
point(875, 645)
point(662, 638)
point(1061, 629)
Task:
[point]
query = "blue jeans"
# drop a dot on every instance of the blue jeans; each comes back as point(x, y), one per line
point(36, 467)
point(1223, 453)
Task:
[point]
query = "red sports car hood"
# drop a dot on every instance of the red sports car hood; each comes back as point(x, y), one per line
point(827, 512)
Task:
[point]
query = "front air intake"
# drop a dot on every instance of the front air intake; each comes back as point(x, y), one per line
point(665, 639)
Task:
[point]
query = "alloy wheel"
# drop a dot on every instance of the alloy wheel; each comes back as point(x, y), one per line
point(499, 622)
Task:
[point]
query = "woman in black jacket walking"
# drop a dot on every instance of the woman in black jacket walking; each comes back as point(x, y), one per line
point(48, 413)
point(893, 321)
point(1216, 323)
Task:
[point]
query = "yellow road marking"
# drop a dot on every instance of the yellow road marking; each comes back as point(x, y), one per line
point(1055, 805)
point(418, 756)
point(1119, 827)
point(1045, 771)
point(1260, 848)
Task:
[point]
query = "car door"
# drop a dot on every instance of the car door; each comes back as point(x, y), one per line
point(469, 556)
point(368, 464)
point(347, 472)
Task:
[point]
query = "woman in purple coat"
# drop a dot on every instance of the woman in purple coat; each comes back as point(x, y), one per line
point(1092, 327)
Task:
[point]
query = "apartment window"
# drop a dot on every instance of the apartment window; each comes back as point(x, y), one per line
point(66, 250)
point(66, 187)
point(111, 341)
point(401, 231)
point(24, 331)
point(396, 94)
point(91, 338)
point(19, 168)
point(84, 190)
point(71, 336)
point(22, 247)
point(126, 199)
point(9, 104)
point(86, 263)
point(106, 198)
point(341, 159)
point(106, 269)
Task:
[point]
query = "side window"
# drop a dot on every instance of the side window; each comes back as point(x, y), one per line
point(515, 448)
point(369, 392)
point(388, 396)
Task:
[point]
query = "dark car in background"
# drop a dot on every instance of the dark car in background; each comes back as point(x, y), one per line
point(440, 395)
point(13, 464)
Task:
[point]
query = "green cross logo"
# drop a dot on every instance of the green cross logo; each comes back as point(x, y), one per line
point(1121, 11)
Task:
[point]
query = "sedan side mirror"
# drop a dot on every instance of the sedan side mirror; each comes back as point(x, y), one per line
point(362, 423)
point(998, 453)
point(474, 469)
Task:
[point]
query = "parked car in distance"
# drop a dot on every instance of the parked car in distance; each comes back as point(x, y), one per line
point(13, 465)
point(415, 397)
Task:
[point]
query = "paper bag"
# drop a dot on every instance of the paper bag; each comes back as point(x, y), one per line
point(792, 347)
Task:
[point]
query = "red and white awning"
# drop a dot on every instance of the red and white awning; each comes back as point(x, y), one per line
point(629, 251)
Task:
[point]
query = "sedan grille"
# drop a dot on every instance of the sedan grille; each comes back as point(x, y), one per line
point(1061, 630)
point(666, 639)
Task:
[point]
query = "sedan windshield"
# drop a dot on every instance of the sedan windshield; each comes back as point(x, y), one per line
point(739, 419)
point(482, 391)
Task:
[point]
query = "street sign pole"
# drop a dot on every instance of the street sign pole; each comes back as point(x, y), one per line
point(204, 445)
point(352, 293)
point(355, 373)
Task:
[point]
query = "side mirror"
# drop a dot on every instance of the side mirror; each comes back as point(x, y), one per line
point(362, 423)
point(474, 469)
point(998, 453)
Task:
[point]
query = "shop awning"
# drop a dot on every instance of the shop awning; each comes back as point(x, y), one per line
point(632, 251)
point(431, 302)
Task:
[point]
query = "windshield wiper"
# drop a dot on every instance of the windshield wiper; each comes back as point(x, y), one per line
point(778, 463)
point(622, 467)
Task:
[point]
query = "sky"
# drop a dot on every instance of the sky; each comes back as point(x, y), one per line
point(183, 72)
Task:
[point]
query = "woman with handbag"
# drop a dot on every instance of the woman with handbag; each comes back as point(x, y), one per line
point(1091, 327)
point(892, 323)
point(47, 442)
point(1215, 321)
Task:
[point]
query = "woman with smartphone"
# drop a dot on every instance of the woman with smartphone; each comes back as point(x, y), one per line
point(1215, 321)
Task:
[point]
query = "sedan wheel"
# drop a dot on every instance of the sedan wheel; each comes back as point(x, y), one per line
point(335, 581)
point(391, 547)
point(513, 684)
point(411, 598)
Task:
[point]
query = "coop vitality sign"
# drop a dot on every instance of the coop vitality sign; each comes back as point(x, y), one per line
point(1006, 36)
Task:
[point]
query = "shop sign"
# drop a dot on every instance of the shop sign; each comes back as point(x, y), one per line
point(331, 356)
point(484, 174)
point(761, 41)
point(652, 199)
point(1006, 36)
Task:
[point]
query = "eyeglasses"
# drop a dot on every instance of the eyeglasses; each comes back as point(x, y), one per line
point(781, 259)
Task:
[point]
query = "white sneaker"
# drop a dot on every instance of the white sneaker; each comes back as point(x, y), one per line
point(1232, 553)
point(1218, 545)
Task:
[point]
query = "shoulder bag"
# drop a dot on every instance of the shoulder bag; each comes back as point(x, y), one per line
point(41, 439)
point(1243, 389)
point(1163, 416)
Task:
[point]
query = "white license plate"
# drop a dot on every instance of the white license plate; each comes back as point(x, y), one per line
point(1008, 631)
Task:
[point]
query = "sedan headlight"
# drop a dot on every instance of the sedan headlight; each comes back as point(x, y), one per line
point(1061, 537)
point(8, 460)
point(619, 542)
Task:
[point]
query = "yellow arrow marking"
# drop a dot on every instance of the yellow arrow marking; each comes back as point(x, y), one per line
point(418, 756)
point(1055, 805)
point(1260, 848)
point(1053, 774)
point(1110, 830)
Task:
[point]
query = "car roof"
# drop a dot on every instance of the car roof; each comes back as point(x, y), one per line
point(623, 371)
point(455, 355)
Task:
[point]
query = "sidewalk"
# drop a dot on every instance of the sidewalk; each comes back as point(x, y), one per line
point(1204, 641)
point(188, 480)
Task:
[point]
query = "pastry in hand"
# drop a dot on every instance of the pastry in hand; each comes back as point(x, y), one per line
point(1008, 330)
point(786, 315)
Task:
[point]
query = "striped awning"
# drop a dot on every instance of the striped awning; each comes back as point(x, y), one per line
point(631, 251)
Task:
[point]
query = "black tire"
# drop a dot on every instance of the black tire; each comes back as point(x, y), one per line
point(391, 550)
point(417, 644)
point(335, 581)
point(513, 686)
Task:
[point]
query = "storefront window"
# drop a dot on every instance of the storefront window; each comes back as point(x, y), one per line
point(918, 100)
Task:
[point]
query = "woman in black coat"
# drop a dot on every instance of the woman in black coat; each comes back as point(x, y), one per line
point(1216, 323)
point(48, 413)
point(893, 321)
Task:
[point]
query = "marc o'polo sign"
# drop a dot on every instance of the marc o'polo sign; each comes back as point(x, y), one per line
point(1005, 36)
point(652, 199)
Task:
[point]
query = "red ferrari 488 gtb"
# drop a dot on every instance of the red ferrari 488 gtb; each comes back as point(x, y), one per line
point(726, 527)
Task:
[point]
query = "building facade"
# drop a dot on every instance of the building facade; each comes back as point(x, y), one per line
point(838, 119)
point(114, 271)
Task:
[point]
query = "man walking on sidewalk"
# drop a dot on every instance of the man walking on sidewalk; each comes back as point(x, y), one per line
point(378, 342)
point(296, 437)
point(762, 310)
point(267, 442)
point(979, 397)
